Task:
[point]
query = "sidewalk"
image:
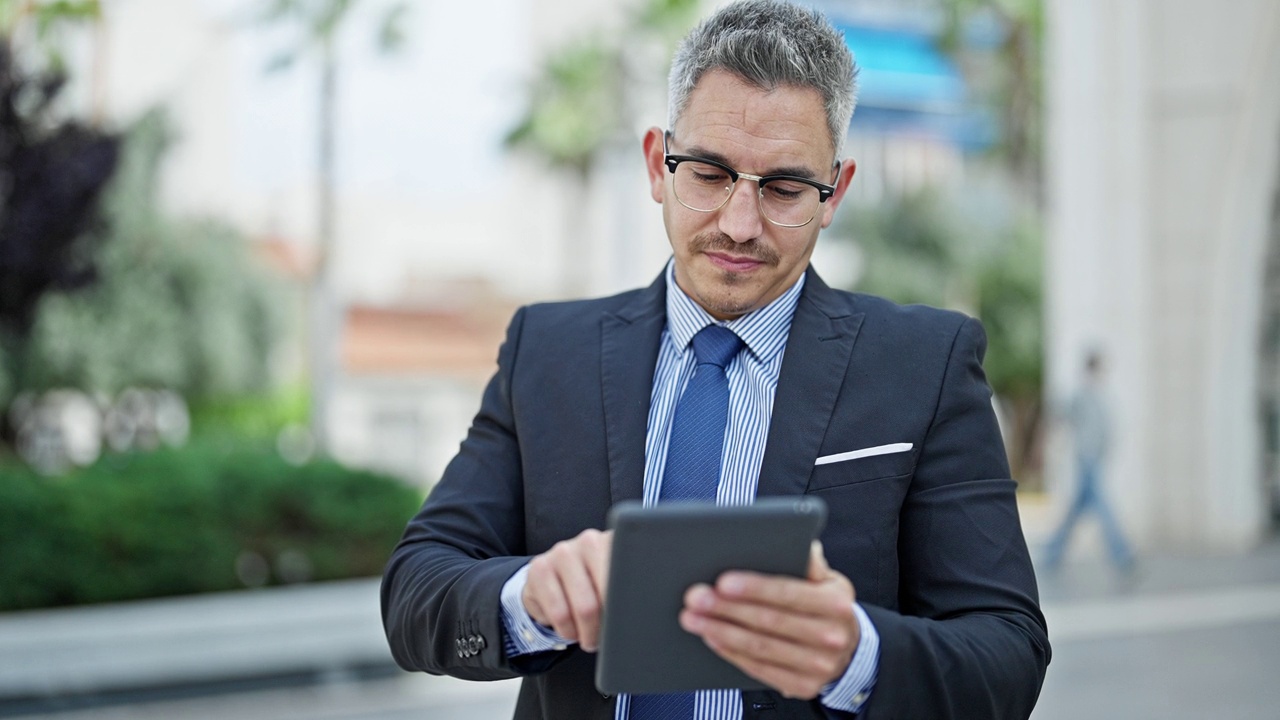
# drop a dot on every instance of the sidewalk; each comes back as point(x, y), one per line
point(1189, 636)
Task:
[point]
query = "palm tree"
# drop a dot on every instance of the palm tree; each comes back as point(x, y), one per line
point(580, 103)
point(1009, 77)
point(318, 24)
point(1011, 80)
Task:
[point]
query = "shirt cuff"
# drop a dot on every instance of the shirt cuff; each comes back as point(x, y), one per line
point(524, 635)
point(853, 689)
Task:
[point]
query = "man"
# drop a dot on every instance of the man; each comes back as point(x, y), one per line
point(502, 572)
point(1091, 433)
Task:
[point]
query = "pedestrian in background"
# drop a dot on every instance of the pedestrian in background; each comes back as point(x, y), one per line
point(1090, 422)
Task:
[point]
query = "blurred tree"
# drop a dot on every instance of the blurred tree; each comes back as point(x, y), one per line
point(52, 173)
point(46, 21)
point(580, 103)
point(6, 382)
point(318, 25)
point(178, 303)
point(997, 44)
point(981, 257)
point(575, 105)
point(575, 109)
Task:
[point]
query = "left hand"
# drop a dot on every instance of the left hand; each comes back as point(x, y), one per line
point(791, 634)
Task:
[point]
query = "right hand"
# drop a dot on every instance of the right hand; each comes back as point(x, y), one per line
point(566, 585)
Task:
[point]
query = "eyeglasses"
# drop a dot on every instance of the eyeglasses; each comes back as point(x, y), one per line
point(705, 185)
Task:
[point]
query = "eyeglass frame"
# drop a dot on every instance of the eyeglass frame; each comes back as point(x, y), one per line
point(672, 161)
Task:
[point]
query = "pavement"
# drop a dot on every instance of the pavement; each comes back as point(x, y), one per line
point(1190, 634)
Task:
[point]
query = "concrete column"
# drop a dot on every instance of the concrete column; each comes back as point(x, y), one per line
point(1097, 271)
point(1239, 236)
point(1163, 120)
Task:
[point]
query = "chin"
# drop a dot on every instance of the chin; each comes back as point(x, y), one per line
point(722, 305)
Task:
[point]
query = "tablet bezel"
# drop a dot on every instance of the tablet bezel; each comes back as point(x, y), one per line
point(657, 553)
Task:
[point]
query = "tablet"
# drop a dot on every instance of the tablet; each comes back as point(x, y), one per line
point(658, 552)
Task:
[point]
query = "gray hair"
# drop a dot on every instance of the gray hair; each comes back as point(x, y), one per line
point(767, 44)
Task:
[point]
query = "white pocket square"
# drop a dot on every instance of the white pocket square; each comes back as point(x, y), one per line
point(864, 452)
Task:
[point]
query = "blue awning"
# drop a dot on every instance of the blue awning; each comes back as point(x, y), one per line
point(904, 70)
point(907, 85)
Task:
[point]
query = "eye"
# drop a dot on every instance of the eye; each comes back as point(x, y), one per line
point(786, 190)
point(707, 174)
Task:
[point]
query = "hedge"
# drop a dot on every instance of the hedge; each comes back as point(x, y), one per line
point(179, 521)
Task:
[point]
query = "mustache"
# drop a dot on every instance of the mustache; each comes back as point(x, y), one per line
point(719, 242)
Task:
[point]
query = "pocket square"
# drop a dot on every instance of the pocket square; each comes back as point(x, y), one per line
point(864, 452)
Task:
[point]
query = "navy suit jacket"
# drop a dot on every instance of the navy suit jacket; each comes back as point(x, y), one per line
point(930, 538)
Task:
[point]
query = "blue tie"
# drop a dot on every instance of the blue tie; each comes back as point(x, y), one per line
point(693, 467)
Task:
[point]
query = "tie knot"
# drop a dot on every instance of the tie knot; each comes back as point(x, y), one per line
point(716, 344)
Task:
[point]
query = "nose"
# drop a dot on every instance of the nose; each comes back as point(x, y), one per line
point(740, 217)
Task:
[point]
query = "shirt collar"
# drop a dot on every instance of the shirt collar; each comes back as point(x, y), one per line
point(764, 331)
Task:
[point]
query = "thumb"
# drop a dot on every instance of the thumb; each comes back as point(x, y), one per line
point(818, 568)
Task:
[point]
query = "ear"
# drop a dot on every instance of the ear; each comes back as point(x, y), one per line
point(653, 163)
point(847, 169)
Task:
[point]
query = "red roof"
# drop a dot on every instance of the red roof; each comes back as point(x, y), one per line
point(408, 341)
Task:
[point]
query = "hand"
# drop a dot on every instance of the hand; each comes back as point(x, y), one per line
point(793, 635)
point(565, 587)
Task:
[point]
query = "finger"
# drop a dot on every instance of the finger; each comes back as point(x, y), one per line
point(824, 633)
point(820, 570)
point(765, 654)
point(831, 597)
point(598, 563)
point(545, 600)
point(818, 567)
point(583, 600)
point(787, 682)
point(593, 547)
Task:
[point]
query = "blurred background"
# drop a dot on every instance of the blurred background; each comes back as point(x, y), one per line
point(257, 256)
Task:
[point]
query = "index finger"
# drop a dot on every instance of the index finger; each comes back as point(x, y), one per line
point(803, 596)
point(598, 563)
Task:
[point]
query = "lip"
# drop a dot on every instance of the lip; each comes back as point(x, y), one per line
point(733, 264)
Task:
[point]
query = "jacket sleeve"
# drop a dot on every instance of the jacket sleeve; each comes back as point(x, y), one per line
point(968, 639)
point(441, 588)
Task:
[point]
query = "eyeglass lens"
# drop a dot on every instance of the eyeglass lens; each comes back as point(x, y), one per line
point(706, 188)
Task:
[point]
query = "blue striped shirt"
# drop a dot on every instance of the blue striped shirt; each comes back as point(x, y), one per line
point(753, 378)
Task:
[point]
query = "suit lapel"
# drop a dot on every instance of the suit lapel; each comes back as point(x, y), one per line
point(629, 342)
point(823, 332)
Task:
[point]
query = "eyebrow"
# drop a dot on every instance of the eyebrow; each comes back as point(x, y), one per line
point(794, 170)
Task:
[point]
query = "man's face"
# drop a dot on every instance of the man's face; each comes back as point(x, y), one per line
point(732, 261)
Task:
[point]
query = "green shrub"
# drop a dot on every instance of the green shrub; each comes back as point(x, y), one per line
point(177, 521)
point(252, 416)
